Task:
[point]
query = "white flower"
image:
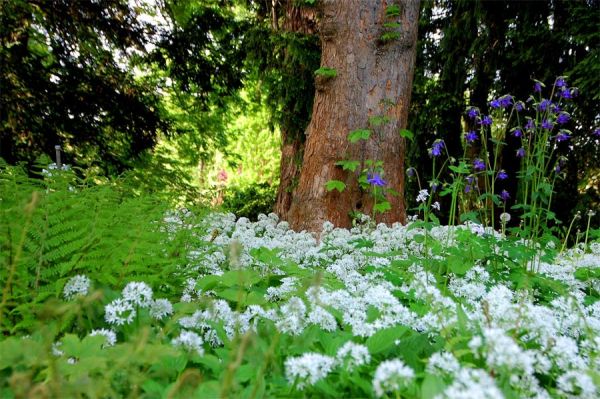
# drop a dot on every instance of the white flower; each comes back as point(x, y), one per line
point(119, 312)
point(56, 349)
point(505, 217)
point(307, 369)
point(322, 318)
point(78, 285)
point(391, 375)
point(109, 335)
point(443, 364)
point(422, 197)
point(190, 341)
point(352, 355)
point(138, 293)
point(160, 308)
point(577, 383)
point(435, 205)
point(471, 383)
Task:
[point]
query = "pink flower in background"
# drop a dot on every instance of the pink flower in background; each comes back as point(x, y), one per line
point(222, 175)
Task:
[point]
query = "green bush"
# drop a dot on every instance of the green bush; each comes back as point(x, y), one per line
point(250, 201)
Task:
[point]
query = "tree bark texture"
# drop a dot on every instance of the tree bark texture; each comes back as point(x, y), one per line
point(374, 80)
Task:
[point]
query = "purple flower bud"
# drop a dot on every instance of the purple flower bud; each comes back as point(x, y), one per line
point(537, 87)
point(530, 125)
point(519, 106)
point(502, 175)
point(470, 179)
point(473, 112)
point(546, 124)
point(436, 149)
point(411, 172)
point(517, 132)
point(544, 104)
point(478, 164)
point(486, 121)
point(471, 136)
point(468, 188)
point(504, 195)
point(560, 82)
point(596, 132)
point(521, 152)
point(562, 136)
point(434, 186)
point(557, 168)
point(566, 93)
point(562, 118)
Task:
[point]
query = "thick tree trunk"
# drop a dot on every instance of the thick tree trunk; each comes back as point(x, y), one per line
point(292, 147)
point(374, 79)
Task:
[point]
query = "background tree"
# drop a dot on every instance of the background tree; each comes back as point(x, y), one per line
point(372, 49)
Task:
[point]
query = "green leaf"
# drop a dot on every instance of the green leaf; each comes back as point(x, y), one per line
point(432, 386)
point(359, 134)
point(378, 120)
point(326, 72)
point(407, 134)
point(335, 185)
point(348, 165)
point(382, 207)
point(392, 11)
point(383, 340)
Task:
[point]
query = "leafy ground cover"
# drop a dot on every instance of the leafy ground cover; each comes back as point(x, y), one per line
point(190, 304)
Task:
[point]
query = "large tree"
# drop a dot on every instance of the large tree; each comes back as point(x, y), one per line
point(367, 64)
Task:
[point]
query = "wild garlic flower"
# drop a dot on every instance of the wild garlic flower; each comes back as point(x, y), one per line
point(471, 383)
point(443, 364)
point(308, 369)
point(352, 355)
point(76, 286)
point(119, 312)
point(422, 197)
point(161, 308)
point(190, 341)
point(109, 335)
point(391, 375)
point(138, 293)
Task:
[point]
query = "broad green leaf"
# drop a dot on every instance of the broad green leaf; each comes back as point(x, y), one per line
point(407, 134)
point(432, 386)
point(335, 185)
point(382, 207)
point(326, 72)
point(385, 339)
point(359, 134)
point(348, 165)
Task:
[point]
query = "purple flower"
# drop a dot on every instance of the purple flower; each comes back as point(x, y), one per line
point(436, 149)
point(473, 112)
point(375, 180)
point(566, 93)
point(596, 132)
point(519, 106)
point(486, 121)
point(546, 124)
point(562, 118)
point(521, 152)
point(478, 164)
point(470, 179)
point(502, 175)
point(517, 132)
point(562, 136)
point(537, 87)
point(560, 82)
point(556, 109)
point(471, 136)
point(530, 125)
point(544, 104)
point(434, 186)
point(505, 101)
point(557, 168)
point(495, 103)
point(504, 195)
point(411, 172)
point(468, 188)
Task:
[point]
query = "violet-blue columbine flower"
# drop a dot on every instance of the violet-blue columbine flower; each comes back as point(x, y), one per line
point(478, 164)
point(504, 195)
point(411, 172)
point(530, 125)
point(473, 112)
point(486, 121)
point(517, 132)
point(521, 152)
point(375, 180)
point(546, 124)
point(495, 103)
point(519, 106)
point(562, 136)
point(557, 168)
point(566, 93)
point(471, 136)
point(596, 132)
point(537, 87)
point(436, 149)
point(467, 188)
point(560, 82)
point(544, 104)
point(562, 118)
point(502, 175)
point(505, 101)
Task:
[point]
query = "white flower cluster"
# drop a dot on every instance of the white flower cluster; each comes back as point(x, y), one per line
point(135, 296)
point(391, 376)
point(308, 369)
point(109, 335)
point(76, 286)
point(190, 341)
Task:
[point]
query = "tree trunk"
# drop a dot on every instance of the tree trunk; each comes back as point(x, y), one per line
point(289, 171)
point(374, 65)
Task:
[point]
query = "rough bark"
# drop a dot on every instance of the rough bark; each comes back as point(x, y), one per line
point(374, 78)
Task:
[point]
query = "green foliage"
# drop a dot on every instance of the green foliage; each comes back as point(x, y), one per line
point(359, 134)
point(249, 200)
point(335, 185)
point(326, 72)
